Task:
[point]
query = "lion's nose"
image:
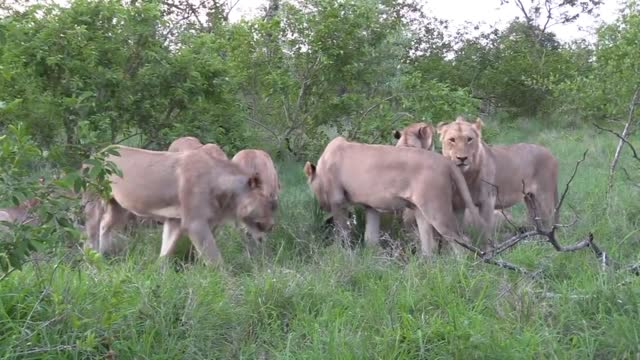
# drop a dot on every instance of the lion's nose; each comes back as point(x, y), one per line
point(462, 158)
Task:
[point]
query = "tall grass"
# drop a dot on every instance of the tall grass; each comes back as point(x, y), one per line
point(313, 299)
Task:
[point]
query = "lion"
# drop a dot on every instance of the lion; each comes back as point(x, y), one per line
point(186, 143)
point(22, 213)
point(260, 164)
point(498, 176)
point(385, 178)
point(190, 191)
point(420, 135)
point(93, 206)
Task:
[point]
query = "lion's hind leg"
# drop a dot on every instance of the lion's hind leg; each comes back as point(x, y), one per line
point(425, 231)
point(444, 221)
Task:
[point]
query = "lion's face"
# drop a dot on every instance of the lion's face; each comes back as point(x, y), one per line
point(316, 186)
point(461, 142)
point(418, 135)
point(256, 211)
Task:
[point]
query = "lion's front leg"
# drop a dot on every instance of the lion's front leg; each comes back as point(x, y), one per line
point(487, 212)
point(340, 219)
point(201, 236)
point(171, 232)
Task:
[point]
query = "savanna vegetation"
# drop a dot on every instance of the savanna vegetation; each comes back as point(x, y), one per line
point(79, 76)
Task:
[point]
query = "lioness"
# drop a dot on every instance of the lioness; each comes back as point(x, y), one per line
point(190, 191)
point(191, 143)
point(420, 135)
point(259, 163)
point(385, 178)
point(21, 213)
point(187, 143)
point(495, 173)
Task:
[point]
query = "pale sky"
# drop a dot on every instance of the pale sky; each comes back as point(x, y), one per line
point(477, 12)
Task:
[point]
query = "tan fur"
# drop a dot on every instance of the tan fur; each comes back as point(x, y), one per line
point(420, 135)
point(22, 214)
point(190, 191)
point(384, 178)
point(259, 163)
point(417, 135)
point(495, 173)
point(186, 143)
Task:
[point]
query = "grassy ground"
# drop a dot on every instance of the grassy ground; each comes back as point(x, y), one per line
point(313, 299)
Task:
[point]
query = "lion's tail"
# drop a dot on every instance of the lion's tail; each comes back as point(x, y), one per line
point(461, 184)
point(556, 211)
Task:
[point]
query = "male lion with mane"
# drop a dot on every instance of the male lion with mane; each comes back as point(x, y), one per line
point(385, 178)
point(190, 191)
point(495, 174)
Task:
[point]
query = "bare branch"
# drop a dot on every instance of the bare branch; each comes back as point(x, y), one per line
point(264, 127)
point(625, 133)
point(566, 187)
point(625, 141)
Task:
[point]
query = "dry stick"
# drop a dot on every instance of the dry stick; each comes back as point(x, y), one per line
point(566, 187)
point(625, 134)
point(622, 139)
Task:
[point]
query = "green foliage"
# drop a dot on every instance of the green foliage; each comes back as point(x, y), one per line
point(604, 91)
point(19, 159)
point(103, 65)
point(49, 204)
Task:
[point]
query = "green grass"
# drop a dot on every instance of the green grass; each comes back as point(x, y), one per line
point(312, 299)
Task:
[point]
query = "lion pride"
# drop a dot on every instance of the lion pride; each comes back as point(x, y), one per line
point(190, 191)
point(385, 178)
point(496, 174)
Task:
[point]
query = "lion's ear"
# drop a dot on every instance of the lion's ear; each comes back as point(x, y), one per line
point(396, 134)
point(478, 124)
point(309, 170)
point(254, 182)
point(426, 131)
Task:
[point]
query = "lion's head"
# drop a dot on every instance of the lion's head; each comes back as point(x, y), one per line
point(461, 141)
point(256, 210)
point(418, 135)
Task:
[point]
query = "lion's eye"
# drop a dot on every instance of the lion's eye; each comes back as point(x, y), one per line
point(469, 139)
point(452, 140)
